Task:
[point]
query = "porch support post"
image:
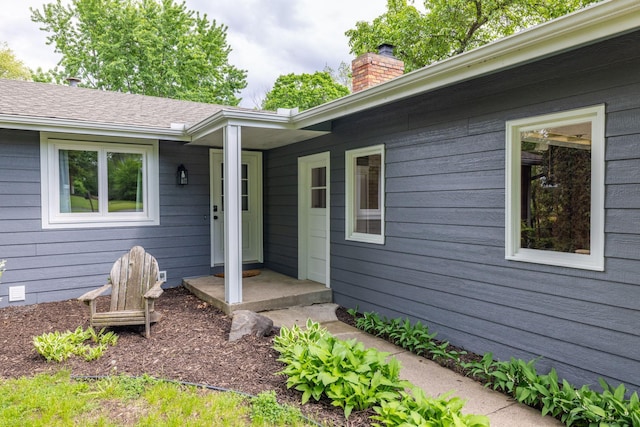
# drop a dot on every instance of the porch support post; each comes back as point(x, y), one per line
point(232, 148)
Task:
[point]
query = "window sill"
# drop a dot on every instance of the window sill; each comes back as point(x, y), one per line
point(99, 224)
point(366, 238)
point(559, 259)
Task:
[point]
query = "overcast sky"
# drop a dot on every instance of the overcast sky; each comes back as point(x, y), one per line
point(268, 37)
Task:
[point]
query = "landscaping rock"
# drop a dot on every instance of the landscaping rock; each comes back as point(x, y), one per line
point(247, 322)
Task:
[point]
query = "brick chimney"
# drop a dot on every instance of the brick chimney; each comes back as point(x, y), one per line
point(372, 69)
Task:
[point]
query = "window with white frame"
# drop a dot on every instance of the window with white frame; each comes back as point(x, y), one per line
point(365, 194)
point(555, 189)
point(98, 183)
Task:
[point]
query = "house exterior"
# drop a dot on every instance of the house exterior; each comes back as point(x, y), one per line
point(423, 197)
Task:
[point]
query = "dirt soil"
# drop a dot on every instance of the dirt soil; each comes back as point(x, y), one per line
point(189, 344)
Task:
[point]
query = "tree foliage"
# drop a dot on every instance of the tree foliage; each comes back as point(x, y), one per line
point(342, 75)
point(303, 91)
point(10, 66)
point(150, 47)
point(450, 27)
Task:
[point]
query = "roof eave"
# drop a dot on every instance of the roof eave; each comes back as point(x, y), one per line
point(92, 128)
point(226, 117)
point(601, 21)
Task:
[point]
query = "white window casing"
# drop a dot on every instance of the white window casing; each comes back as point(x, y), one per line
point(52, 217)
point(593, 259)
point(356, 179)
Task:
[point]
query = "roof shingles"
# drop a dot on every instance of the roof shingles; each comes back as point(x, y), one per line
point(40, 100)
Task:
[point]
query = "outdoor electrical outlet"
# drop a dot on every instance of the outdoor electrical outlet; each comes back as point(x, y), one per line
point(162, 276)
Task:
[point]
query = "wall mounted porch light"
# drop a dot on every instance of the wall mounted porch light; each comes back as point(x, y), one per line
point(182, 175)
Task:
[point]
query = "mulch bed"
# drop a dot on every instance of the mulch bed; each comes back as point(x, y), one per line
point(189, 344)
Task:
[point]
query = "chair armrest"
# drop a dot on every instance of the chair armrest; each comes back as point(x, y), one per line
point(155, 291)
point(91, 295)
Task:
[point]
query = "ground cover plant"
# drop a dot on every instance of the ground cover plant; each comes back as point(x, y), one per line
point(516, 377)
point(190, 344)
point(352, 377)
point(57, 346)
point(59, 400)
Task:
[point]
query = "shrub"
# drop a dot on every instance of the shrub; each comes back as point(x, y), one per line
point(574, 407)
point(351, 376)
point(357, 378)
point(417, 409)
point(57, 346)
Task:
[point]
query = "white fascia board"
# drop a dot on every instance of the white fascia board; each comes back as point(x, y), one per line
point(225, 117)
point(598, 22)
point(44, 124)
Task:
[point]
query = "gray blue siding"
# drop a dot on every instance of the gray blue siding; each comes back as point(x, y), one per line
point(63, 263)
point(443, 261)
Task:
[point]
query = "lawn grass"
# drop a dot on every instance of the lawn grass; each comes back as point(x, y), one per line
point(58, 400)
point(81, 204)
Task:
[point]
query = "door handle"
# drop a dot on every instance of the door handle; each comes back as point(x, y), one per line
point(215, 217)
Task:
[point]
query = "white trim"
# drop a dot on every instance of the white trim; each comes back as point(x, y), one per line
point(597, 22)
point(247, 118)
point(49, 179)
point(303, 224)
point(595, 260)
point(77, 129)
point(233, 210)
point(350, 194)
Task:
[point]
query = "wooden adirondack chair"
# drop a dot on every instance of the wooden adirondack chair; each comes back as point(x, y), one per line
point(134, 289)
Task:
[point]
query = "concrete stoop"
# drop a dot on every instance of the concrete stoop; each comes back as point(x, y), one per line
point(266, 291)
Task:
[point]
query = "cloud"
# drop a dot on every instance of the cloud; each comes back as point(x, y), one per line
point(267, 38)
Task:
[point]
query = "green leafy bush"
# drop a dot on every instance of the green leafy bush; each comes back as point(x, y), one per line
point(353, 377)
point(415, 338)
point(520, 379)
point(417, 409)
point(319, 364)
point(58, 346)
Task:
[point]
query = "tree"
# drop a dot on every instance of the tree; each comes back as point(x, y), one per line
point(450, 27)
point(10, 66)
point(303, 91)
point(150, 47)
point(342, 75)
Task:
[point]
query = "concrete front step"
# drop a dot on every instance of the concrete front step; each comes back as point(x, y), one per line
point(267, 291)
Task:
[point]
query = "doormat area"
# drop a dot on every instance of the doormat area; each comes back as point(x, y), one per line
point(246, 273)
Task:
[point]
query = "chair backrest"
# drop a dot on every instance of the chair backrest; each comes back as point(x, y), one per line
point(131, 276)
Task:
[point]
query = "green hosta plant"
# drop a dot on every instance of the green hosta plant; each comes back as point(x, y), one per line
point(417, 409)
point(58, 346)
point(413, 337)
point(351, 376)
point(574, 407)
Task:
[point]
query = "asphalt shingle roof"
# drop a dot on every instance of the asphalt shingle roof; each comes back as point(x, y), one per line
point(30, 99)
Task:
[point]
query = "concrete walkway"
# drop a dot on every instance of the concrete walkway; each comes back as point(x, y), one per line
point(431, 377)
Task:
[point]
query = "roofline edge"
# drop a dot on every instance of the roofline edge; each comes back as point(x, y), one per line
point(598, 22)
point(73, 126)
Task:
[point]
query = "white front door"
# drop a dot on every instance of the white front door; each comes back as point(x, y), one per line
point(313, 218)
point(251, 188)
